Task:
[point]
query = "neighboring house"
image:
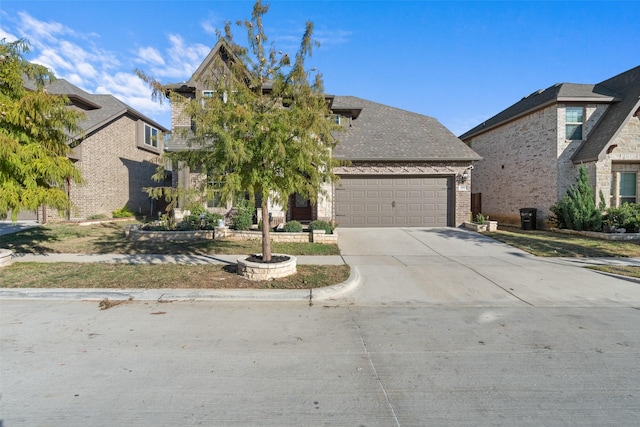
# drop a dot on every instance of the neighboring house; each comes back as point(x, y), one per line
point(117, 153)
point(532, 150)
point(405, 169)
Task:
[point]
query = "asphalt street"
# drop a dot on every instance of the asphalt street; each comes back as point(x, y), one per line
point(67, 363)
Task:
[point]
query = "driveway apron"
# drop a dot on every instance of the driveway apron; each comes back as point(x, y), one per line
point(455, 267)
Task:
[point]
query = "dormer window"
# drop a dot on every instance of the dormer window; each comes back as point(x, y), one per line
point(573, 123)
point(341, 120)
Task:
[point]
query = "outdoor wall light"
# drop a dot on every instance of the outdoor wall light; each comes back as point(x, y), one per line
point(462, 177)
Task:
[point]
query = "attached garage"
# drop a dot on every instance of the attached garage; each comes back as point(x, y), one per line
point(394, 201)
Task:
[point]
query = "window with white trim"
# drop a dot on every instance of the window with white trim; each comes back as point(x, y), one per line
point(574, 119)
point(628, 188)
point(151, 135)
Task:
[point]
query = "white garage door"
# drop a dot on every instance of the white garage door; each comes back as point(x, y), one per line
point(374, 201)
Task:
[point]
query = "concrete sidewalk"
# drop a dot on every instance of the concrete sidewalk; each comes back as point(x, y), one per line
point(165, 259)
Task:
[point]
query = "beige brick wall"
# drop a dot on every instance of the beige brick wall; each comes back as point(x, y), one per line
point(114, 171)
point(527, 163)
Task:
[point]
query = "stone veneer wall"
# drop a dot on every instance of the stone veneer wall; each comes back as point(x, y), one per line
point(625, 157)
point(461, 192)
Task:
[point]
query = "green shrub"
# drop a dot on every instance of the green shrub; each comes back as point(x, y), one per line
point(123, 212)
point(577, 209)
point(196, 209)
point(210, 220)
point(189, 223)
point(242, 218)
point(321, 225)
point(626, 216)
point(293, 227)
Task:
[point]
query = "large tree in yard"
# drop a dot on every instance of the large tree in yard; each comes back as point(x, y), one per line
point(34, 136)
point(265, 130)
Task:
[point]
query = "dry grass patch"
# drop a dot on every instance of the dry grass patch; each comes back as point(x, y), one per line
point(622, 270)
point(550, 244)
point(160, 276)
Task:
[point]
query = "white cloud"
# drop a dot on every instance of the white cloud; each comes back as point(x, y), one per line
point(179, 61)
point(208, 27)
point(131, 90)
point(8, 37)
point(332, 37)
point(39, 30)
point(77, 58)
point(150, 55)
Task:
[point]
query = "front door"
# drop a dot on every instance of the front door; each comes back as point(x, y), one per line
point(301, 209)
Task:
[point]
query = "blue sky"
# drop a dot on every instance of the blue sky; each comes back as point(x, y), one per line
point(460, 62)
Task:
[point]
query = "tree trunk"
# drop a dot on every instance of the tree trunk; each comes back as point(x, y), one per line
point(266, 240)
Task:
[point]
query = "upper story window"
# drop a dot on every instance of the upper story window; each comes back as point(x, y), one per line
point(151, 135)
point(573, 122)
point(149, 138)
point(210, 93)
point(340, 120)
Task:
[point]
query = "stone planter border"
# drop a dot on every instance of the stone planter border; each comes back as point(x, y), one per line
point(602, 236)
point(485, 226)
point(266, 271)
point(225, 233)
point(6, 257)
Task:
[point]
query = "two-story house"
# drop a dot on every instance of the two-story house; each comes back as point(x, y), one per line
point(117, 152)
point(404, 169)
point(533, 149)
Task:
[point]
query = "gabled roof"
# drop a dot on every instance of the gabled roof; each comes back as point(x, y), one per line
point(384, 133)
point(98, 109)
point(559, 92)
point(619, 113)
point(622, 92)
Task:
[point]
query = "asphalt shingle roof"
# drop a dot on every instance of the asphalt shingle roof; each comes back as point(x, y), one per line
point(621, 92)
point(101, 108)
point(540, 99)
point(628, 85)
point(384, 133)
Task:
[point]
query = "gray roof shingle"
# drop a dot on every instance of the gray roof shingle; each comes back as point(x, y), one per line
point(622, 92)
point(98, 109)
point(560, 92)
point(628, 85)
point(384, 133)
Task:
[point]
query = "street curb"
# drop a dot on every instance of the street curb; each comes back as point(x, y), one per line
point(167, 295)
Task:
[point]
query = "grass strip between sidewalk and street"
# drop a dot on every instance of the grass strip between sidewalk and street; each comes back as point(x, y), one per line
point(160, 276)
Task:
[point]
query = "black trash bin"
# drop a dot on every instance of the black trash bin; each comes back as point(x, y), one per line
point(528, 218)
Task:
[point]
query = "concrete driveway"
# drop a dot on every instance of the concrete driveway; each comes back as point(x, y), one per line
point(449, 266)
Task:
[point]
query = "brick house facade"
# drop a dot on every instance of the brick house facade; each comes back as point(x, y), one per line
point(405, 169)
point(117, 154)
point(533, 149)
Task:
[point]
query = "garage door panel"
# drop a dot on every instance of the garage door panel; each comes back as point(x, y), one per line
point(393, 202)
